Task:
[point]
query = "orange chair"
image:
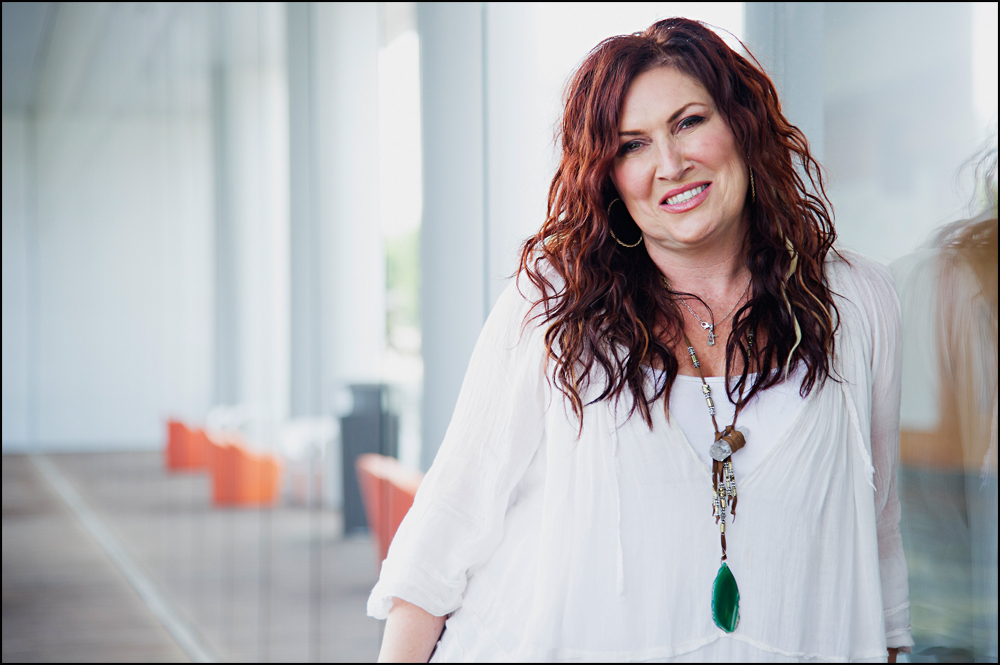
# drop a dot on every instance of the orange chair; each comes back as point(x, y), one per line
point(213, 448)
point(240, 477)
point(185, 449)
point(387, 489)
point(257, 481)
point(224, 469)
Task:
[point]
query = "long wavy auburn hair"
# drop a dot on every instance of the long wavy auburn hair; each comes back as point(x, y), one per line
point(611, 315)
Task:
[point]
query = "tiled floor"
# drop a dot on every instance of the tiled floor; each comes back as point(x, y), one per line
point(258, 585)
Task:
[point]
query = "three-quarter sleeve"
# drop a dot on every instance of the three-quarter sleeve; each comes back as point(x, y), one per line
point(457, 517)
point(884, 315)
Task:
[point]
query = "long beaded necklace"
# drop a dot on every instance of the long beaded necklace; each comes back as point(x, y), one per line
point(725, 592)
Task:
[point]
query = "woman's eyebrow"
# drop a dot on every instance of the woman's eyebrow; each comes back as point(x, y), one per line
point(677, 113)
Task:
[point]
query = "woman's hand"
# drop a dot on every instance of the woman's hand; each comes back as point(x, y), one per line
point(410, 634)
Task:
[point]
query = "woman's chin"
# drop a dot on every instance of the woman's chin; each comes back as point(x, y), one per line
point(689, 238)
point(697, 232)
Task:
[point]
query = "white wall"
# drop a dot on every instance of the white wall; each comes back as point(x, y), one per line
point(123, 279)
point(123, 226)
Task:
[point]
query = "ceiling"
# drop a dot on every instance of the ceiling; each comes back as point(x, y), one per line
point(99, 57)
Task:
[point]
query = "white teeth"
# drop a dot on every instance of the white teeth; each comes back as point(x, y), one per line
point(686, 196)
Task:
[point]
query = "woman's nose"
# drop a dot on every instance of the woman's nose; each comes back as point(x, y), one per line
point(672, 164)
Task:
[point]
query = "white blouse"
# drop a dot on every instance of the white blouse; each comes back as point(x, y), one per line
point(544, 546)
point(766, 419)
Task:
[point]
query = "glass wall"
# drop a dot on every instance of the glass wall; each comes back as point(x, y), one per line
point(910, 145)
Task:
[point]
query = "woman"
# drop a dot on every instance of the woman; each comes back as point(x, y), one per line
point(582, 504)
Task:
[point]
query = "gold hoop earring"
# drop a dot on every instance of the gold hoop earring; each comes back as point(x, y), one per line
point(611, 231)
point(753, 191)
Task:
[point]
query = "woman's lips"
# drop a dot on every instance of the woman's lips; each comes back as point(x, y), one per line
point(691, 203)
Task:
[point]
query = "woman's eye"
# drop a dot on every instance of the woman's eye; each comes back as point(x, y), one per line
point(691, 121)
point(631, 146)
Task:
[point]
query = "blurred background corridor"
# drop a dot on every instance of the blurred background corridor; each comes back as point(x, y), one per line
point(248, 246)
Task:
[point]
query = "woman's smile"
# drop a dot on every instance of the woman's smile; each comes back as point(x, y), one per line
point(685, 198)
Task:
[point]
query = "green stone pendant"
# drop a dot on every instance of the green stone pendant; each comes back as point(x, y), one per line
point(726, 600)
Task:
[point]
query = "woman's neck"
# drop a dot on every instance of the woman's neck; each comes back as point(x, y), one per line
point(711, 273)
point(717, 274)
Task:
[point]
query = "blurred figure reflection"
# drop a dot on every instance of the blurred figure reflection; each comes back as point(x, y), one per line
point(948, 442)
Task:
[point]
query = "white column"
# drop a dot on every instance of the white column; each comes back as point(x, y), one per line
point(520, 151)
point(306, 305)
point(17, 228)
point(226, 329)
point(352, 260)
point(337, 259)
point(787, 39)
point(254, 227)
point(454, 285)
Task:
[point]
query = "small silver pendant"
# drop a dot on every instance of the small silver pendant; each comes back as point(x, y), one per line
point(710, 327)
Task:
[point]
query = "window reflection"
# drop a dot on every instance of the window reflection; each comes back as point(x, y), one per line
point(948, 443)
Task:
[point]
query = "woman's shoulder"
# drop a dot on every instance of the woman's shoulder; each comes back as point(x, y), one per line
point(520, 308)
point(854, 270)
point(525, 293)
point(860, 280)
point(865, 295)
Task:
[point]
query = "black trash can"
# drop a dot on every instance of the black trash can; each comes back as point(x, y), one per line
point(369, 428)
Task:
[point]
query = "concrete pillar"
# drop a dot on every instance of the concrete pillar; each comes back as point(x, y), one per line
point(453, 254)
point(18, 237)
point(226, 377)
point(305, 239)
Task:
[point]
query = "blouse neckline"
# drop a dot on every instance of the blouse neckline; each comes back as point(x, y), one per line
point(782, 442)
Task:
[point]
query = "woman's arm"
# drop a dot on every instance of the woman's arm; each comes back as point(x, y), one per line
point(457, 517)
point(410, 634)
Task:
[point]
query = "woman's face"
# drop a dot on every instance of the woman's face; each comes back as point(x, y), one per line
point(679, 169)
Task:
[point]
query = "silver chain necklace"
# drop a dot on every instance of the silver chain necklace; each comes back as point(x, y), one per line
point(710, 327)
